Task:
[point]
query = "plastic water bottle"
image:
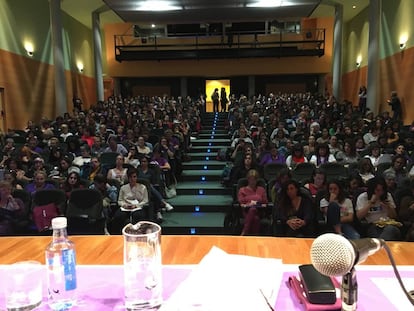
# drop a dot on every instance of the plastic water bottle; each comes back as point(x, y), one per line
point(61, 267)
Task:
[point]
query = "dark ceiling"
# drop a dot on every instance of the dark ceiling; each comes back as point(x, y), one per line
point(190, 11)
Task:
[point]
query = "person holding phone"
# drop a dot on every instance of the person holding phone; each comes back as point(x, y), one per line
point(376, 206)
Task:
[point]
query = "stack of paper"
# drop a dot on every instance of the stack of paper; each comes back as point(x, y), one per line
point(228, 282)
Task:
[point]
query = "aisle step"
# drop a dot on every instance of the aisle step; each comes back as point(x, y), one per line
point(193, 223)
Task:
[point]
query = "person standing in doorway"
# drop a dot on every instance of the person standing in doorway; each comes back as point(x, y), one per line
point(215, 99)
point(223, 100)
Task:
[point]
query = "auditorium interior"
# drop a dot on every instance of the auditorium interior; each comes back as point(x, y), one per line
point(297, 77)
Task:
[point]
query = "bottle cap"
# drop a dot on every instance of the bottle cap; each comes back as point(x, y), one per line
point(59, 223)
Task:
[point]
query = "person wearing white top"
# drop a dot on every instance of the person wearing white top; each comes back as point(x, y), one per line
point(377, 207)
point(131, 201)
point(339, 211)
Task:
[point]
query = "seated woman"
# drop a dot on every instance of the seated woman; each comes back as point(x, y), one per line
point(272, 156)
point(297, 156)
point(132, 198)
point(251, 197)
point(338, 210)
point(322, 155)
point(39, 183)
point(90, 170)
point(377, 207)
point(295, 211)
point(72, 182)
point(132, 157)
point(119, 172)
point(366, 170)
point(11, 209)
point(11, 177)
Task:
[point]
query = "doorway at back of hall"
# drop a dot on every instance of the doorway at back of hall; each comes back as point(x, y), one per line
point(209, 89)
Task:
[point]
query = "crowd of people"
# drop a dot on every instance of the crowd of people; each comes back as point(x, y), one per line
point(132, 149)
point(115, 147)
point(371, 191)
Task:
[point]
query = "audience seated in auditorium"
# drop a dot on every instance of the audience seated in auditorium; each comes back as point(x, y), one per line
point(338, 210)
point(71, 183)
point(295, 211)
point(11, 210)
point(296, 157)
point(119, 172)
point(132, 198)
point(318, 182)
point(39, 183)
point(252, 199)
point(377, 207)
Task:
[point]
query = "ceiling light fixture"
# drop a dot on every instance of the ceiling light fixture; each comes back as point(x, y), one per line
point(157, 5)
point(269, 3)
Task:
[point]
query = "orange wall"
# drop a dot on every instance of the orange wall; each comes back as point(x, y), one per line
point(216, 68)
point(29, 89)
point(395, 74)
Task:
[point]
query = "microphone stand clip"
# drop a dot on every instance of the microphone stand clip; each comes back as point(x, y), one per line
point(349, 291)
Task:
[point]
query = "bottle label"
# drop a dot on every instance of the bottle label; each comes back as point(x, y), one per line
point(69, 268)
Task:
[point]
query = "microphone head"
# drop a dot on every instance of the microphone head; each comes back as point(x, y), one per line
point(332, 254)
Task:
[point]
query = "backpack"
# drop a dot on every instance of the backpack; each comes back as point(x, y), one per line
point(43, 215)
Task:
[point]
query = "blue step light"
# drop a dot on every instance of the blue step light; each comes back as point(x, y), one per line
point(205, 167)
point(196, 208)
point(209, 144)
point(207, 158)
point(203, 178)
point(208, 150)
point(212, 136)
point(192, 230)
point(200, 191)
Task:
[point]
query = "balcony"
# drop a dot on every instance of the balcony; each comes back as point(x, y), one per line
point(231, 45)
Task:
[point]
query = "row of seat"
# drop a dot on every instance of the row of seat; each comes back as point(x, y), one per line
point(303, 171)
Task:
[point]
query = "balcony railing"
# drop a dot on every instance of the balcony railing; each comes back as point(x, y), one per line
point(232, 45)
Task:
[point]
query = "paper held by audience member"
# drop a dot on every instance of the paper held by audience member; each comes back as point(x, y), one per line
point(223, 281)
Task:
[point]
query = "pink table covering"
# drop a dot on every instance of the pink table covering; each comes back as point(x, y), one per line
point(100, 288)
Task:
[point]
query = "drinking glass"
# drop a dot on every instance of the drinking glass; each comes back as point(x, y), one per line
point(142, 266)
point(23, 290)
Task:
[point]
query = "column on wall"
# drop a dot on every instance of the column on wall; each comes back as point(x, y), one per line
point(373, 50)
point(337, 52)
point(252, 86)
point(97, 52)
point(183, 87)
point(58, 57)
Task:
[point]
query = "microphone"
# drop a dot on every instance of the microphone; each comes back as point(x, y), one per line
point(334, 255)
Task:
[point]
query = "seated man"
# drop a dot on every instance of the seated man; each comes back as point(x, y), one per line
point(109, 194)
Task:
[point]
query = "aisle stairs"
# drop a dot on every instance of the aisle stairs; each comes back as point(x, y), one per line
point(201, 201)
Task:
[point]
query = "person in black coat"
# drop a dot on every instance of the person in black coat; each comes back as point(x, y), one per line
point(395, 104)
point(223, 99)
